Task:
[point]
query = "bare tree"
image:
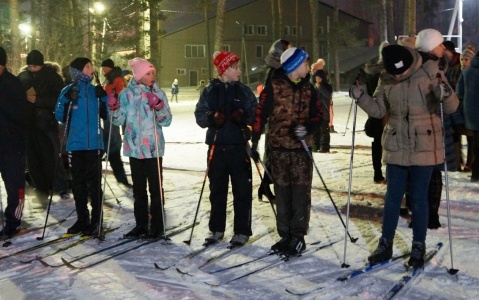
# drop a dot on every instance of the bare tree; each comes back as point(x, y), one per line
point(220, 20)
point(315, 23)
point(204, 5)
point(280, 18)
point(273, 20)
point(411, 20)
point(14, 59)
point(390, 20)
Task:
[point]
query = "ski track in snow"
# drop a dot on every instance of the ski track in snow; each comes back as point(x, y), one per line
point(133, 275)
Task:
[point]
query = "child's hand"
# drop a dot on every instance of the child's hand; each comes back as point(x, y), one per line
point(113, 103)
point(154, 102)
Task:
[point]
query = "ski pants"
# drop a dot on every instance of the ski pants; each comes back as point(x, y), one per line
point(86, 169)
point(293, 175)
point(230, 161)
point(143, 172)
point(399, 177)
point(12, 168)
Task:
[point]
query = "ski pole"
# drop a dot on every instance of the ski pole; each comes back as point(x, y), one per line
point(104, 177)
point(353, 240)
point(113, 193)
point(210, 157)
point(40, 238)
point(248, 150)
point(101, 195)
point(451, 271)
point(347, 120)
point(344, 265)
point(160, 180)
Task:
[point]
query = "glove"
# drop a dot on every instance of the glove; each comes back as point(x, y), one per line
point(113, 103)
point(217, 117)
point(442, 91)
point(99, 91)
point(254, 153)
point(237, 116)
point(72, 93)
point(154, 102)
point(300, 132)
point(356, 91)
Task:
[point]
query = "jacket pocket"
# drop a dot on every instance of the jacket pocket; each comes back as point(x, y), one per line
point(426, 138)
point(390, 139)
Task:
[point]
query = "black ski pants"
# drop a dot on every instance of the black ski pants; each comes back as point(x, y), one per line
point(12, 168)
point(85, 168)
point(143, 172)
point(230, 161)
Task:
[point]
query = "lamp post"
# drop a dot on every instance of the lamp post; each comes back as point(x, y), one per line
point(243, 51)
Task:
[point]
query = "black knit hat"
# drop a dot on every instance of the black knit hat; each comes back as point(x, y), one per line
point(35, 58)
point(79, 63)
point(108, 63)
point(3, 57)
point(449, 46)
point(396, 59)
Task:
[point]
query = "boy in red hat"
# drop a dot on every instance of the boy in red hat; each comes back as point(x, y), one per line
point(226, 108)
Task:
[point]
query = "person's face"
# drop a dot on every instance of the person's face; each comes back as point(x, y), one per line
point(105, 70)
point(88, 70)
point(34, 68)
point(303, 69)
point(438, 51)
point(148, 79)
point(465, 62)
point(233, 73)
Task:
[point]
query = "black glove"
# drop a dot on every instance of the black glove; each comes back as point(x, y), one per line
point(237, 116)
point(217, 118)
point(254, 153)
point(72, 94)
point(99, 91)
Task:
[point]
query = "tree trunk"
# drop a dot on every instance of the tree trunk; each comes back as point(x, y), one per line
point(280, 19)
point(14, 61)
point(335, 50)
point(296, 23)
point(390, 19)
point(154, 32)
point(315, 23)
point(220, 20)
point(208, 42)
point(273, 20)
point(383, 26)
point(412, 18)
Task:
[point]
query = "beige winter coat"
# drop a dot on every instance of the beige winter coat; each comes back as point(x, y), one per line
point(413, 134)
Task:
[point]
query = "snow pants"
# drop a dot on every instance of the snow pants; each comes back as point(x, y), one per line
point(293, 175)
point(85, 168)
point(12, 168)
point(143, 172)
point(230, 161)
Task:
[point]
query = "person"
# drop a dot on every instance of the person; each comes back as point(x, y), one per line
point(113, 84)
point(201, 87)
point(324, 90)
point(43, 85)
point(453, 62)
point(175, 89)
point(143, 107)
point(226, 108)
point(81, 105)
point(433, 50)
point(374, 127)
point(409, 160)
point(317, 66)
point(291, 107)
point(13, 135)
point(273, 61)
point(467, 88)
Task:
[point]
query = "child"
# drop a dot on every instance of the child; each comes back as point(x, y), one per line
point(175, 89)
point(202, 86)
point(141, 106)
point(79, 106)
point(226, 107)
point(291, 107)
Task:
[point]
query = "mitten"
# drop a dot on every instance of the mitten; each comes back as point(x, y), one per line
point(154, 102)
point(113, 103)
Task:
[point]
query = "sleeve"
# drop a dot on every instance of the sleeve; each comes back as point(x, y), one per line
point(163, 116)
point(48, 96)
point(61, 107)
point(15, 110)
point(460, 87)
point(250, 106)
point(315, 113)
point(202, 111)
point(263, 111)
point(118, 85)
point(118, 117)
point(374, 106)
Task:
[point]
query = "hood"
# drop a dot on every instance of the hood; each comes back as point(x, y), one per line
point(373, 69)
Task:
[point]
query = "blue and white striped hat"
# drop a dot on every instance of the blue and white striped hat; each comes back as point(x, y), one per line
point(292, 58)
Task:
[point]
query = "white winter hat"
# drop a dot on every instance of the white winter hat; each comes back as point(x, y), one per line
point(428, 39)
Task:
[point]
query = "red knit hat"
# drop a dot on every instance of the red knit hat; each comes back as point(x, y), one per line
point(223, 60)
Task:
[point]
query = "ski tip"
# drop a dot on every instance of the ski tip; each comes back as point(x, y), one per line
point(68, 264)
point(43, 262)
point(214, 284)
point(157, 266)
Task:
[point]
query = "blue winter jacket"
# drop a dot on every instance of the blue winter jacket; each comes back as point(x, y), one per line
point(84, 130)
point(140, 141)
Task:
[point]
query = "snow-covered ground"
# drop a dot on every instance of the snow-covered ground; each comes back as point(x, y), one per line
point(133, 275)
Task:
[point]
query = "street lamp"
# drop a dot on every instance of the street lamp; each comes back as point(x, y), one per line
point(25, 29)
